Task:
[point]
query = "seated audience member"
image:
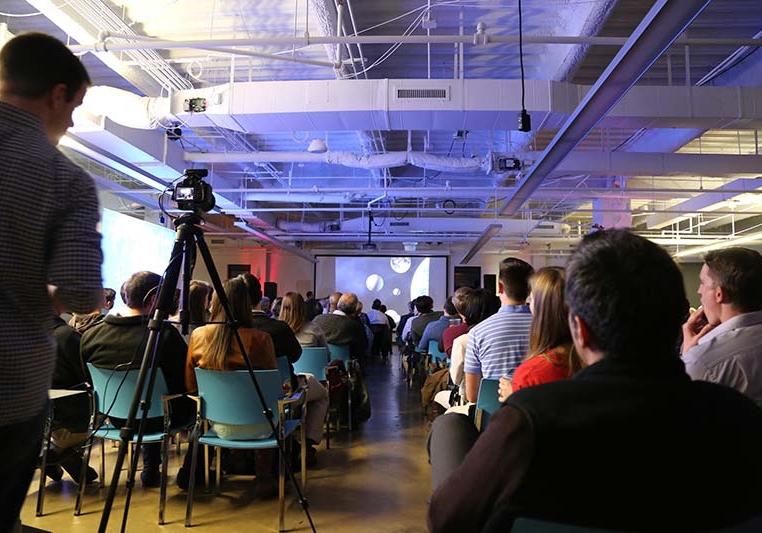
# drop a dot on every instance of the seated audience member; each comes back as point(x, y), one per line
point(426, 315)
point(83, 322)
point(434, 330)
point(119, 340)
point(287, 345)
point(551, 353)
point(72, 413)
point(499, 344)
point(623, 444)
point(264, 306)
point(215, 347)
point(275, 307)
point(342, 328)
point(403, 323)
point(294, 313)
point(476, 306)
point(721, 340)
point(459, 299)
point(199, 301)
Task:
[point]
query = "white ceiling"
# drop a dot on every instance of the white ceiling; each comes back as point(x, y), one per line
point(276, 74)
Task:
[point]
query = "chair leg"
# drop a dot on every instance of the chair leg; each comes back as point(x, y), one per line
point(282, 489)
point(83, 475)
point(163, 482)
point(192, 482)
point(44, 463)
point(218, 470)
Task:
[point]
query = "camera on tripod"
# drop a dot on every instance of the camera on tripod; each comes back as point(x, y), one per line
point(193, 193)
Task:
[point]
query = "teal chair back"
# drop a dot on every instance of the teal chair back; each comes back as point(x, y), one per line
point(284, 368)
point(313, 361)
point(487, 402)
point(114, 389)
point(230, 397)
point(339, 351)
point(435, 353)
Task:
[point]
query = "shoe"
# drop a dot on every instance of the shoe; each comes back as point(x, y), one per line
point(54, 472)
point(150, 477)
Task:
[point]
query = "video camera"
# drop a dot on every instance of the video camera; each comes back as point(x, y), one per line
point(193, 193)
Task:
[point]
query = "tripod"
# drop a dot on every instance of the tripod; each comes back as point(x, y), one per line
point(188, 236)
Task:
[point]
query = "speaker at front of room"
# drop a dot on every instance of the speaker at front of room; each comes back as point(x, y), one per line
point(490, 283)
point(271, 290)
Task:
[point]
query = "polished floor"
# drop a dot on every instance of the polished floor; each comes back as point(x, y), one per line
point(374, 479)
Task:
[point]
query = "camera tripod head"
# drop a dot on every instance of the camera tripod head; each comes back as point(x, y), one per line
point(193, 193)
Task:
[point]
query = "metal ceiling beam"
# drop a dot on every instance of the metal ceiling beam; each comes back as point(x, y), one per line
point(275, 242)
point(657, 31)
point(491, 231)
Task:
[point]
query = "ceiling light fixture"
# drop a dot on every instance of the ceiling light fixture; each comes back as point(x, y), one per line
point(317, 146)
point(490, 232)
point(737, 241)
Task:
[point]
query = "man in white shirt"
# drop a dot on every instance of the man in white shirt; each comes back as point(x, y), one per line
point(721, 340)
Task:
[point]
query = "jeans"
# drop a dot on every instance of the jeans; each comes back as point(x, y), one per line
point(20, 448)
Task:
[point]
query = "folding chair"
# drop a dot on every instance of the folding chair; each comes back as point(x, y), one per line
point(486, 402)
point(436, 356)
point(113, 391)
point(341, 351)
point(229, 397)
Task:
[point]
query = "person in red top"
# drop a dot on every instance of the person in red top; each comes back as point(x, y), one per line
point(551, 354)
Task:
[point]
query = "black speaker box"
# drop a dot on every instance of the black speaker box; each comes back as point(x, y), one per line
point(271, 290)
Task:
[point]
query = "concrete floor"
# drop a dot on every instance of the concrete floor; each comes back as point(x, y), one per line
point(375, 479)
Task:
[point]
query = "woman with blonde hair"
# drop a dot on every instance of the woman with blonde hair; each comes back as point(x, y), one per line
point(293, 312)
point(551, 354)
point(215, 347)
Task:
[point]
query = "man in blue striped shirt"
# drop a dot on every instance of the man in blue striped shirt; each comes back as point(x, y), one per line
point(499, 344)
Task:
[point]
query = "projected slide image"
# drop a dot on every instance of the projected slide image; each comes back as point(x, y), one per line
point(130, 245)
point(393, 280)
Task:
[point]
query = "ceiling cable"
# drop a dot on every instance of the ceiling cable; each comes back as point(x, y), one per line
point(525, 121)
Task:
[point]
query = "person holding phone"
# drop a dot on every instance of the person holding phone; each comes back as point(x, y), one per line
point(721, 338)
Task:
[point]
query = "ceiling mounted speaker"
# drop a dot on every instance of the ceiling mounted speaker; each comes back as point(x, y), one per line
point(317, 146)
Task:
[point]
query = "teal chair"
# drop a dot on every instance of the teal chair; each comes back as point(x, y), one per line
point(229, 397)
point(339, 351)
point(284, 368)
point(112, 392)
point(486, 402)
point(314, 360)
point(436, 356)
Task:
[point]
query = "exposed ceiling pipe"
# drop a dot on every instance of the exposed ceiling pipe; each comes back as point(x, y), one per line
point(484, 238)
point(274, 241)
point(658, 29)
point(145, 42)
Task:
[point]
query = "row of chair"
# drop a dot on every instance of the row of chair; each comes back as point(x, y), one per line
point(113, 392)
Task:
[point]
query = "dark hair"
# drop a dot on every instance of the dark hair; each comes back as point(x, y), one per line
point(139, 287)
point(738, 271)
point(460, 298)
point(514, 275)
point(376, 304)
point(424, 304)
point(31, 64)
point(109, 295)
point(449, 307)
point(199, 296)
point(478, 305)
point(382, 308)
point(615, 281)
point(255, 288)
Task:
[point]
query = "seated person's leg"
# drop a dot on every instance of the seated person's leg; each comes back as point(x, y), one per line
point(452, 436)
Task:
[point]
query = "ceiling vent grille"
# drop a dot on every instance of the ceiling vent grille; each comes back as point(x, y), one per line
point(425, 94)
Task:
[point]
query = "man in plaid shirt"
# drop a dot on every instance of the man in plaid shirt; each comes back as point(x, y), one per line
point(50, 246)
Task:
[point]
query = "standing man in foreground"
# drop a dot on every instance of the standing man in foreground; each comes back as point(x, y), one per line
point(721, 340)
point(51, 248)
point(624, 443)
